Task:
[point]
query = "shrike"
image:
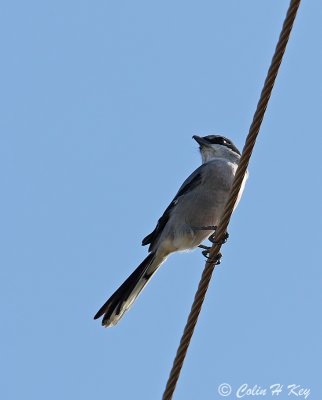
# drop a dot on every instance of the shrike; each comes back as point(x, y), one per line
point(191, 218)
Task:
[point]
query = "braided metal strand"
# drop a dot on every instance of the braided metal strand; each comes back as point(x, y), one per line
point(222, 228)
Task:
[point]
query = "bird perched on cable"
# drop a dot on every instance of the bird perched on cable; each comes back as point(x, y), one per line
point(191, 218)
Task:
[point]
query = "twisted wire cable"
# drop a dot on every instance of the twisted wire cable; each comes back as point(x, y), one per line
point(240, 174)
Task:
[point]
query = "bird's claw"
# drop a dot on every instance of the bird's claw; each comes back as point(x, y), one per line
point(205, 253)
point(201, 246)
point(211, 238)
point(216, 260)
point(221, 242)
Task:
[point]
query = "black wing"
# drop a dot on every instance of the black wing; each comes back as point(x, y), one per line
point(189, 184)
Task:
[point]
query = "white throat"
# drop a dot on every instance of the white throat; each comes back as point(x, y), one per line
point(218, 151)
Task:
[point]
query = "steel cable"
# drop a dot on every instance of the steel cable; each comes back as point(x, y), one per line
point(223, 225)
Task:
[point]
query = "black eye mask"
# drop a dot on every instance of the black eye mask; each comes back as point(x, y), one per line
point(215, 139)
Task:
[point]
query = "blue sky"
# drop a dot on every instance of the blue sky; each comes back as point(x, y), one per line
point(99, 101)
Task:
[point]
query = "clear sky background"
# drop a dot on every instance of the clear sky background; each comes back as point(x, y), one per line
point(99, 101)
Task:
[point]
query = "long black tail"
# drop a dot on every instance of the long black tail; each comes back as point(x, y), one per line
point(125, 295)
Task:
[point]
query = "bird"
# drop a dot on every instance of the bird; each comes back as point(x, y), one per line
point(190, 219)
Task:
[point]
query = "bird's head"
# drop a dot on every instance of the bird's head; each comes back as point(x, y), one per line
point(216, 146)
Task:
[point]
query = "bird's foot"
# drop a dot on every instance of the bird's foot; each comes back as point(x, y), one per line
point(201, 246)
point(206, 251)
point(222, 241)
point(216, 260)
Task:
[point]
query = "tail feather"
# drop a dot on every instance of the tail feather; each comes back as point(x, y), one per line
point(122, 299)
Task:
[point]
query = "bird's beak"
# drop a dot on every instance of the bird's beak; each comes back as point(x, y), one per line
point(201, 141)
